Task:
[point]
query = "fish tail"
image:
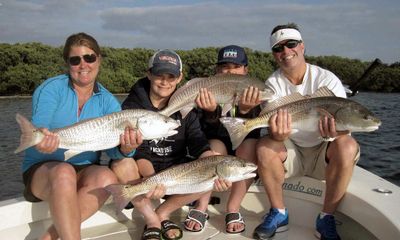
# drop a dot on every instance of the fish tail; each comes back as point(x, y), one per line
point(120, 195)
point(167, 111)
point(30, 136)
point(236, 128)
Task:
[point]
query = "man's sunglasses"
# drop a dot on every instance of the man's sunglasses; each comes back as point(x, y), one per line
point(76, 60)
point(289, 44)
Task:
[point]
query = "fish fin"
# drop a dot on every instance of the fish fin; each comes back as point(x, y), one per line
point(236, 128)
point(294, 130)
point(344, 132)
point(226, 108)
point(70, 153)
point(120, 197)
point(193, 81)
point(323, 112)
point(185, 111)
point(323, 92)
point(327, 139)
point(279, 102)
point(129, 123)
point(166, 112)
point(241, 177)
point(205, 185)
point(30, 136)
point(266, 94)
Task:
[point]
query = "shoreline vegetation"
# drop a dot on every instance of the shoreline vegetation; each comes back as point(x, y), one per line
point(24, 66)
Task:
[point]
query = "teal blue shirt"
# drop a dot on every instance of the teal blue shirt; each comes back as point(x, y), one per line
point(55, 105)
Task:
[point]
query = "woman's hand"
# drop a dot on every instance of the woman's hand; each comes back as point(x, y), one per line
point(50, 142)
point(130, 140)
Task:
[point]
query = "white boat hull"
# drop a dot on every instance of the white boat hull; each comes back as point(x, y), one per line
point(363, 213)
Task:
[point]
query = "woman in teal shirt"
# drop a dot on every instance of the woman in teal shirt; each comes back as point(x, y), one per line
point(73, 188)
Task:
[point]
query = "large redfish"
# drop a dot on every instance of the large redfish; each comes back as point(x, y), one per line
point(100, 133)
point(226, 88)
point(306, 112)
point(191, 177)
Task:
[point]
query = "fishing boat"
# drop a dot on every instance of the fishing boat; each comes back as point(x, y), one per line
point(369, 210)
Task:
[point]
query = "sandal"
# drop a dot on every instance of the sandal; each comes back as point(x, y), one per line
point(234, 218)
point(197, 216)
point(167, 225)
point(151, 233)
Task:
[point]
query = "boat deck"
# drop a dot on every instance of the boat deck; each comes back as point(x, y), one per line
point(214, 230)
point(368, 211)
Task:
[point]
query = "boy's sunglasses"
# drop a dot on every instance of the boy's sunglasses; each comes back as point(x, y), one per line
point(76, 60)
point(289, 44)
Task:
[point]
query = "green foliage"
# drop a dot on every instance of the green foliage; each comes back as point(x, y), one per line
point(24, 66)
point(348, 70)
point(261, 64)
point(384, 79)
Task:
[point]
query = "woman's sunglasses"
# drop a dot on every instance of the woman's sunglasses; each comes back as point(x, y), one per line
point(76, 60)
point(289, 44)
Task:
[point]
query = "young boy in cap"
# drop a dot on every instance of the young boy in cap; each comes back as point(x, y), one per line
point(232, 59)
point(152, 93)
point(282, 154)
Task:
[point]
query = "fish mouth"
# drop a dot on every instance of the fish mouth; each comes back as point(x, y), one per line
point(249, 175)
point(172, 132)
point(369, 129)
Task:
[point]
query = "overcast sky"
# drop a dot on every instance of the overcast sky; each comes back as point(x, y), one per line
point(362, 29)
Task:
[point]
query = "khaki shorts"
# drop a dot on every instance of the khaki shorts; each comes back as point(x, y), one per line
point(307, 161)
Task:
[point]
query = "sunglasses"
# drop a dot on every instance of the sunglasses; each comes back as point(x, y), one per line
point(76, 60)
point(289, 44)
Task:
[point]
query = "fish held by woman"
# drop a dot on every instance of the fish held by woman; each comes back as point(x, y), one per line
point(100, 133)
point(191, 177)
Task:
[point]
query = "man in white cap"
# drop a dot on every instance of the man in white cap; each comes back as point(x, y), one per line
point(322, 154)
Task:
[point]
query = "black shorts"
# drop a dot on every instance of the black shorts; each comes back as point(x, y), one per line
point(28, 174)
point(255, 134)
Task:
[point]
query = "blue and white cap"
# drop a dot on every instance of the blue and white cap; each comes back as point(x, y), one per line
point(232, 54)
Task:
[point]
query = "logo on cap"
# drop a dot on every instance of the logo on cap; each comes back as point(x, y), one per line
point(169, 59)
point(230, 53)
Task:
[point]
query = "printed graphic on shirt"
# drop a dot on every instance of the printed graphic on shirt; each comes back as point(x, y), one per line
point(162, 151)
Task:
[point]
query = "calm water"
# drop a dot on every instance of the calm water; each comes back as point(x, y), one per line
point(380, 150)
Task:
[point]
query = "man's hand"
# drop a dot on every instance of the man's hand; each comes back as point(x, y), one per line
point(280, 125)
point(327, 129)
